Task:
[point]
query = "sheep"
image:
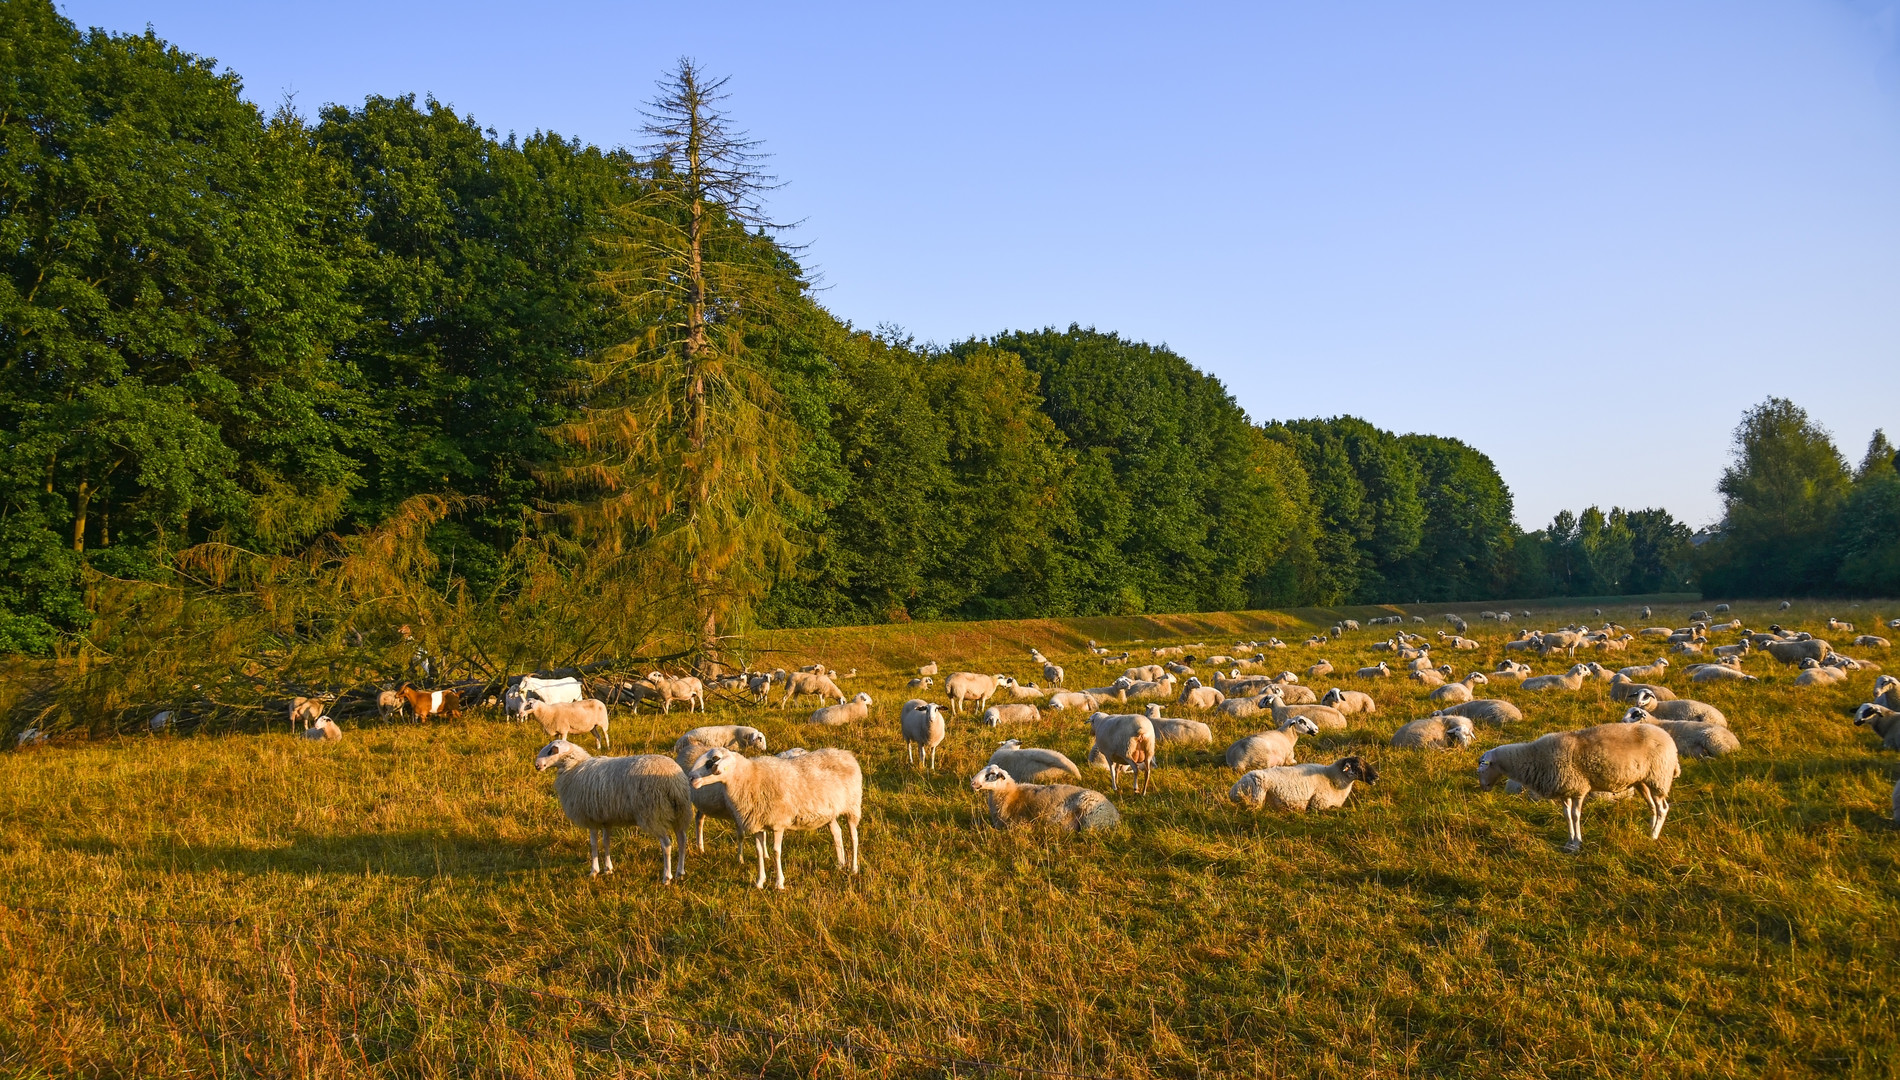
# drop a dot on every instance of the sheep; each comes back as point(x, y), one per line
point(1435, 732)
point(1294, 694)
point(1173, 732)
point(1460, 691)
point(921, 723)
point(1265, 749)
point(1160, 688)
point(554, 691)
point(1032, 692)
point(685, 688)
point(647, 791)
point(1884, 721)
point(323, 729)
point(1490, 710)
point(1240, 708)
point(561, 719)
point(967, 686)
point(1432, 677)
point(1031, 764)
point(1567, 766)
point(1073, 699)
point(1896, 802)
point(922, 682)
point(389, 704)
point(1196, 696)
point(1887, 691)
point(1320, 670)
point(1814, 673)
point(1793, 652)
point(773, 794)
point(1720, 608)
point(305, 710)
point(1736, 651)
point(1145, 673)
point(1693, 739)
point(800, 684)
point(1124, 740)
point(1302, 787)
point(759, 683)
point(1327, 717)
point(1010, 714)
point(1679, 709)
point(1180, 669)
point(1625, 690)
point(1377, 671)
point(1719, 673)
point(1053, 674)
point(928, 669)
point(1869, 641)
point(1838, 626)
point(849, 712)
point(1349, 701)
point(1511, 669)
point(730, 736)
point(1059, 806)
point(1569, 680)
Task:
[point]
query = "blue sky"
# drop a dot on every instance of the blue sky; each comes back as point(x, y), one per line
point(1581, 237)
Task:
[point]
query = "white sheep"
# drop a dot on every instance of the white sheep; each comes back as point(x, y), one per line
point(1033, 764)
point(1489, 710)
point(1011, 714)
point(1460, 691)
point(774, 794)
point(1124, 740)
point(923, 682)
point(389, 705)
point(1436, 732)
point(1693, 738)
point(1073, 699)
point(1814, 673)
point(561, 719)
point(1870, 641)
point(1196, 696)
point(1302, 787)
point(968, 686)
point(1059, 806)
point(921, 723)
point(1720, 673)
point(305, 710)
point(928, 669)
point(647, 791)
point(1172, 732)
point(1887, 691)
point(730, 736)
point(1349, 702)
point(1053, 674)
point(1566, 766)
point(323, 729)
point(1381, 670)
point(1265, 749)
point(1320, 670)
point(1884, 721)
point(1569, 680)
point(673, 688)
point(1679, 709)
point(808, 683)
point(849, 712)
point(1031, 692)
point(1621, 689)
point(1327, 717)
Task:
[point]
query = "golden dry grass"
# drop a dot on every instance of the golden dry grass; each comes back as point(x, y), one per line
point(1425, 928)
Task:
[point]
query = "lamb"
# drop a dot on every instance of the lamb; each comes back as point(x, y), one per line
point(1302, 787)
point(1693, 739)
point(679, 688)
point(1460, 691)
point(1884, 721)
point(801, 683)
point(967, 686)
point(1489, 710)
point(1172, 732)
point(1814, 673)
point(1569, 680)
point(561, 719)
point(773, 794)
point(1053, 674)
point(1196, 696)
point(1869, 641)
point(1124, 740)
point(1348, 702)
point(1073, 699)
point(730, 736)
point(921, 723)
point(1567, 766)
point(1437, 732)
point(849, 712)
point(1058, 806)
point(1679, 709)
point(323, 729)
point(1011, 714)
point(1793, 652)
point(1265, 749)
point(1033, 765)
point(647, 791)
point(1319, 670)
point(1378, 671)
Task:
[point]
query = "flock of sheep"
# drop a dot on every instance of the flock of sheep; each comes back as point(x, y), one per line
point(725, 772)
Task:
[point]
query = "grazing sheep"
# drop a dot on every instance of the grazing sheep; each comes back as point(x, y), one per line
point(1793, 652)
point(922, 725)
point(1378, 671)
point(1032, 764)
point(967, 686)
point(849, 712)
point(1053, 674)
point(1884, 721)
point(1265, 749)
point(685, 688)
point(804, 683)
point(561, 719)
point(1460, 691)
point(1172, 732)
point(1196, 696)
point(1679, 709)
point(1073, 699)
point(1622, 689)
point(1011, 714)
point(1567, 766)
point(390, 704)
point(1693, 739)
point(1814, 673)
point(1058, 806)
point(1489, 710)
point(305, 710)
point(1124, 740)
point(1436, 732)
point(1569, 680)
point(323, 729)
point(1302, 787)
point(774, 794)
point(647, 791)
point(1349, 702)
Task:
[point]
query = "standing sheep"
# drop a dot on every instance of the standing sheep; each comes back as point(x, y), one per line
point(1124, 741)
point(1566, 766)
point(1060, 806)
point(968, 686)
point(1265, 749)
point(774, 794)
point(685, 688)
point(921, 723)
point(1302, 787)
point(1033, 764)
point(389, 704)
point(561, 719)
point(1053, 674)
point(815, 684)
point(647, 791)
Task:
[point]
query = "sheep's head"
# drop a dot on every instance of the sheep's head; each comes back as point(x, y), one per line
point(1870, 712)
point(1645, 698)
point(1885, 683)
point(1459, 730)
point(1302, 724)
point(1476, 677)
point(1010, 744)
point(714, 766)
point(991, 778)
point(1357, 768)
point(1154, 710)
point(861, 699)
point(1809, 663)
point(1636, 714)
point(750, 737)
point(1332, 696)
point(558, 754)
point(992, 716)
point(1489, 771)
point(1004, 680)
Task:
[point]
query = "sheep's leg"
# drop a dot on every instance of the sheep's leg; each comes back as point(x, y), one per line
point(1573, 821)
point(778, 855)
point(854, 845)
point(759, 842)
point(666, 860)
point(600, 736)
point(593, 851)
point(837, 842)
point(909, 751)
point(700, 820)
point(607, 846)
point(1659, 812)
point(682, 850)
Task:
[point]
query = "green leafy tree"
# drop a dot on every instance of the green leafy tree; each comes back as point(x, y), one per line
point(1780, 496)
point(1468, 527)
point(1869, 524)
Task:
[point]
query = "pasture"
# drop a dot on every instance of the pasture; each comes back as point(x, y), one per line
point(409, 902)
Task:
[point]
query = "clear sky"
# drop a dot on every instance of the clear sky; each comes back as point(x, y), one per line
point(1582, 237)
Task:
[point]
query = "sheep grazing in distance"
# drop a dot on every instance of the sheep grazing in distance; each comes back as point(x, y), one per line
point(1566, 766)
point(1011, 714)
point(1196, 696)
point(1569, 680)
point(1033, 764)
point(1056, 806)
point(647, 791)
point(921, 723)
point(1073, 699)
point(1124, 741)
point(1694, 739)
point(1265, 749)
point(561, 719)
point(672, 688)
point(969, 687)
point(1348, 702)
point(1884, 721)
point(389, 704)
point(1435, 732)
point(1053, 674)
point(1488, 710)
point(774, 794)
point(808, 683)
point(1173, 732)
point(848, 712)
point(1814, 673)
point(1679, 709)
point(323, 729)
point(1302, 787)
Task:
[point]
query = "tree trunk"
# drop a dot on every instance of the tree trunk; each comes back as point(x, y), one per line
point(79, 516)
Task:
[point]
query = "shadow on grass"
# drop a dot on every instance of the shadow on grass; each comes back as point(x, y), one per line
point(405, 854)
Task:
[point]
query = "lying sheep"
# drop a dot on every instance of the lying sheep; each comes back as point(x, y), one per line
point(1073, 699)
point(1814, 673)
point(1569, 680)
point(1196, 696)
point(773, 794)
point(923, 682)
point(1172, 732)
point(1265, 749)
point(1566, 766)
point(1124, 741)
point(561, 719)
point(1487, 710)
point(1511, 669)
point(1645, 672)
point(1145, 673)
point(1460, 691)
point(1011, 714)
point(1793, 652)
point(1679, 709)
point(922, 725)
point(1058, 806)
point(1348, 702)
point(1142, 691)
point(1032, 692)
point(1436, 732)
point(1302, 787)
point(647, 791)
point(1887, 691)
point(1694, 739)
point(1720, 673)
point(1033, 764)
point(1319, 670)
point(323, 729)
point(1625, 690)
point(928, 669)
point(1294, 695)
point(849, 712)
point(1378, 671)
point(1884, 721)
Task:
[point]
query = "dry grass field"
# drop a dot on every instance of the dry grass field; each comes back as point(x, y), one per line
point(410, 901)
